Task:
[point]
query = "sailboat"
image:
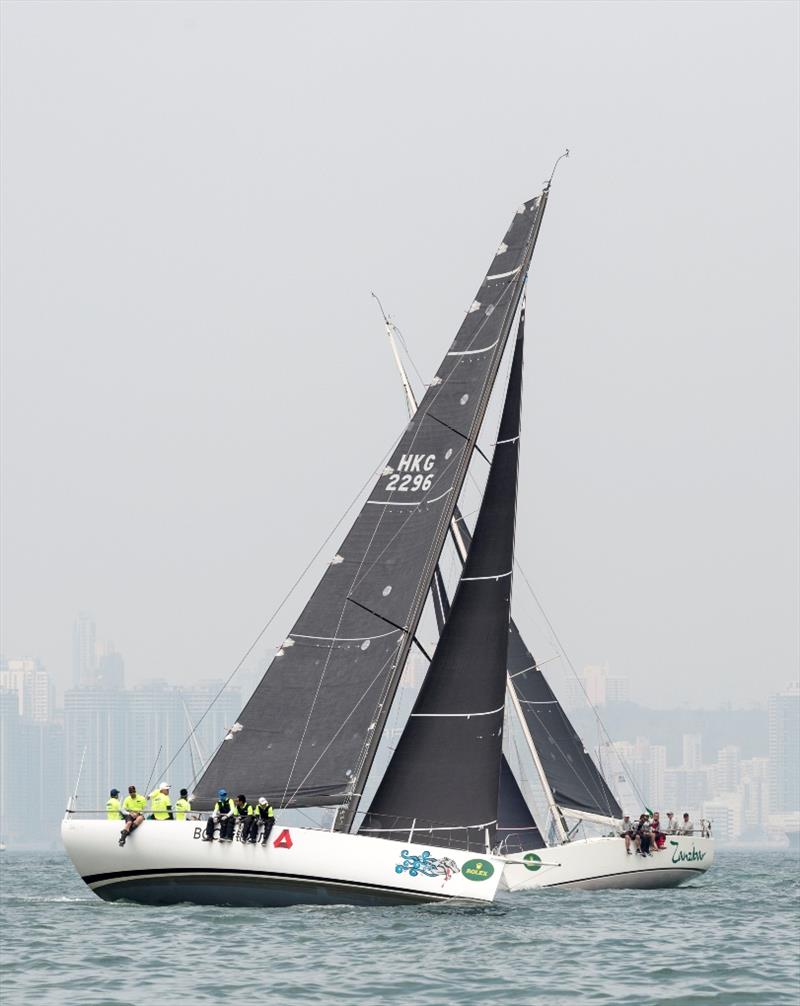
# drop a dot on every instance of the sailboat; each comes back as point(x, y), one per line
point(574, 790)
point(309, 736)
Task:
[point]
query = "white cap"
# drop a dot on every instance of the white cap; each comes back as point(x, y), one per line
point(164, 785)
point(263, 801)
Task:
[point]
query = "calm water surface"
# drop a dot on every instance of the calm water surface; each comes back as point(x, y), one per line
point(730, 938)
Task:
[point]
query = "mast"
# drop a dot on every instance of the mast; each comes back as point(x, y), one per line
point(507, 284)
point(444, 775)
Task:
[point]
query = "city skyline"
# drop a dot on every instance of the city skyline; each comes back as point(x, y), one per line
point(113, 731)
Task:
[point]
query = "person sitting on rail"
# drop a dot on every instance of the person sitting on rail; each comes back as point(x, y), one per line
point(628, 832)
point(659, 838)
point(644, 836)
point(686, 827)
point(133, 810)
point(225, 814)
point(266, 816)
point(672, 824)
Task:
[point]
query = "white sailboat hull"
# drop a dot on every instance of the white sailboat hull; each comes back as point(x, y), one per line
point(166, 863)
point(595, 864)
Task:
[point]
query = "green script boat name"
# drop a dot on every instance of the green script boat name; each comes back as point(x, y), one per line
point(686, 857)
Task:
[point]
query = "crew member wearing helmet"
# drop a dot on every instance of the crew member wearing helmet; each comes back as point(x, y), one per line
point(112, 806)
point(264, 814)
point(225, 813)
point(160, 803)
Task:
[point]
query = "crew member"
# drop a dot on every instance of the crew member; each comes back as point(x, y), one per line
point(225, 813)
point(264, 814)
point(160, 803)
point(628, 832)
point(133, 811)
point(182, 806)
point(249, 820)
point(112, 806)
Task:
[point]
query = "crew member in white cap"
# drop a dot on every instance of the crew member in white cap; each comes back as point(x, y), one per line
point(160, 803)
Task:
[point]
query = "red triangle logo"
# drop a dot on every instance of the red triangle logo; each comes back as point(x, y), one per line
point(284, 840)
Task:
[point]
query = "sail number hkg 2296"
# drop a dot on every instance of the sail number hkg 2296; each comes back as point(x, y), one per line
point(414, 471)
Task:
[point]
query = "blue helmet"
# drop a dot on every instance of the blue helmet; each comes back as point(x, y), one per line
point(222, 794)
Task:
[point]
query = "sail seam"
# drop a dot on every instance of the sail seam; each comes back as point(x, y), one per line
point(472, 352)
point(418, 503)
point(495, 576)
point(511, 440)
point(346, 639)
point(489, 712)
point(503, 275)
point(429, 828)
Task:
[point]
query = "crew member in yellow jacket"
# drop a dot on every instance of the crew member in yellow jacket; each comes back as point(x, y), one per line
point(160, 803)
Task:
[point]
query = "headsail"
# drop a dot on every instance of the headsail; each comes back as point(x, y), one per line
point(571, 773)
point(444, 775)
point(310, 731)
point(516, 828)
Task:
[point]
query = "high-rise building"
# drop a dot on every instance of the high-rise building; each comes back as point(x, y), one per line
point(84, 658)
point(726, 771)
point(31, 776)
point(36, 693)
point(602, 687)
point(784, 749)
point(635, 772)
point(95, 725)
point(692, 751)
point(110, 668)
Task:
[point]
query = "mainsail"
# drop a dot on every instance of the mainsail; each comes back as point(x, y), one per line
point(309, 733)
point(444, 775)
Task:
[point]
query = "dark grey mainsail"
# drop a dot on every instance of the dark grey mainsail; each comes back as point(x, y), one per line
point(309, 733)
point(444, 775)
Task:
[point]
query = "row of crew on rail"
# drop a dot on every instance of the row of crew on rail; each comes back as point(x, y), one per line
point(253, 818)
point(648, 835)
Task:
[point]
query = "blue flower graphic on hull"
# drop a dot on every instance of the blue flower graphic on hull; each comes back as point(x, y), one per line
point(427, 865)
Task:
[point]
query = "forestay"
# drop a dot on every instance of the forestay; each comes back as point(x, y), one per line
point(309, 733)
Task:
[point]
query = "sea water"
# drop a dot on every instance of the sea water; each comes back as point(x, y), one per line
point(730, 937)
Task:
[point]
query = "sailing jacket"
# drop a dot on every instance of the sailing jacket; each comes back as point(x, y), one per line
point(134, 804)
point(182, 807)
point(160, 805)
point(112, 809)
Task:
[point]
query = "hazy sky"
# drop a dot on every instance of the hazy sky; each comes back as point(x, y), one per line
point(198, 199)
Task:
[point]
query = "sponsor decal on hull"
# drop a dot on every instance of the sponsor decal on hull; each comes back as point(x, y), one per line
point(477, 869)
point(427, 865)
point(678, 856)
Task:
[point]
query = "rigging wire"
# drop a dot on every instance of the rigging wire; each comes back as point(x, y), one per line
point(600, 724)
point(286, 597)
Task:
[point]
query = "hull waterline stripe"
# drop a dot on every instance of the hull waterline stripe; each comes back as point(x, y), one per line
point(124, 876)
point(626, 873)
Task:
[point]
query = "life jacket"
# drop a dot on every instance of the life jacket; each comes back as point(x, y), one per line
point(228, 807)
point(265, 812)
